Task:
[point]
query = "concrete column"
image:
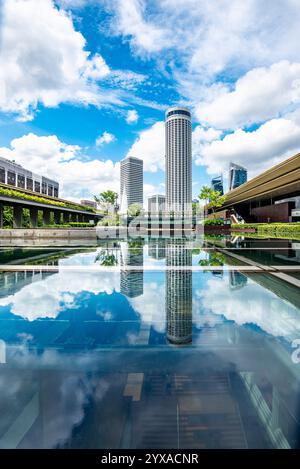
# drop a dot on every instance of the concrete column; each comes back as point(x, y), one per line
point(18, 212)
point(33, 217)
point(66, 216)
point(57, 214)
point(46, 216)
point(1, 216)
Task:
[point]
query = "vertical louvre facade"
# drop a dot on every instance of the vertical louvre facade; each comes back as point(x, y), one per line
point(131, 190)
point(178, 140)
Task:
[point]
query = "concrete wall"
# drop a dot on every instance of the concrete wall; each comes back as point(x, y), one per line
point(272, 213)
point(89, 233)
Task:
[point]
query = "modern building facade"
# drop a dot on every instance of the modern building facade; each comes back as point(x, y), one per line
point(217, 184)
point(131, 178)
point(272, 196)
point(89, 203)
point(156, 203)
point(237, 176)
point(178, 163)
point(15, 175)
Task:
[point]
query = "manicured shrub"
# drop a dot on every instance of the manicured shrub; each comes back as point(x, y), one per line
point(214, 222)
point(270, 228)
point(35, 198)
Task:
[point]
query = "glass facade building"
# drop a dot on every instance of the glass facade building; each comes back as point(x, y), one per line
point(15, 175)
point(237, 175)
point(217, 184)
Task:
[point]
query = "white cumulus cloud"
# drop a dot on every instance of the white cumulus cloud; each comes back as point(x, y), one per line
point(260, 94)
point(132, 116)
point(106, 137)
point(78, 177)
point(43, 60)
point(258, 150)
point(150, 147)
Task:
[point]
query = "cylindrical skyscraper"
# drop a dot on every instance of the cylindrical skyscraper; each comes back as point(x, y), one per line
point(178, 141)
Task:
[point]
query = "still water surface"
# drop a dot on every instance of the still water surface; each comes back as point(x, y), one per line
point(140, 354)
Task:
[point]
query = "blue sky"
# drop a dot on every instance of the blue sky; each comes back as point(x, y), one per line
point(83, 83)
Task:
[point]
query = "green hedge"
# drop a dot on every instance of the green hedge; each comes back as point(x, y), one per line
point(214, 222)
point(70, 225)
point(42, 200)
point(269, 228)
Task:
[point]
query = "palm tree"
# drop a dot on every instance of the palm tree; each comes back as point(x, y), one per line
point(205, 194)
point(106, 199)
point(213, 199)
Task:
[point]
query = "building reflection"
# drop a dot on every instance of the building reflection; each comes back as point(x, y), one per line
point(178, 292)
point(157, 248)
point(132, 280)
point(237, 280)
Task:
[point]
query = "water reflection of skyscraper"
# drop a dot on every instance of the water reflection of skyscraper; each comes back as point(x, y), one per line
point(237, 280)
point(178, 292)
point(132, 281)
point(157, 248)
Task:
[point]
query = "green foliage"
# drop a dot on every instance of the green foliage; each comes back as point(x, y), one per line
point(216, 200)
point(8, 217)
point(40, 219)
point(112, 220)
point(107, 257)
point(213, 199)
point(26, 218)
point(205, 193)
point(106, 199)
point(215, 259)
point(134, 210)
point(42, 200)
point(69, 225)
point(214, 222)
point(275, 229)
point(195, 208)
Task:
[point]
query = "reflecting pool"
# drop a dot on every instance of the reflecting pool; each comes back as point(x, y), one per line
point(153, 343)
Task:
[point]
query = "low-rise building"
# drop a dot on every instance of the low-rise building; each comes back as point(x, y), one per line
point(15, 175)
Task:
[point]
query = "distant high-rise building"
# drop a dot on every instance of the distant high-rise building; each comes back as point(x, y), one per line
point(178, 144)
point(237, 175)
point(217, 184)
point(131, 177)
point(89, 203)
point(156, 203)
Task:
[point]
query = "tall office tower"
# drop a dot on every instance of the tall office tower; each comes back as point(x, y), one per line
point(178, 143)
point(156, 203)
point(131, 177)
point(237, 175)
point(132, 281)
point(217, 184)
point(178, 292)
